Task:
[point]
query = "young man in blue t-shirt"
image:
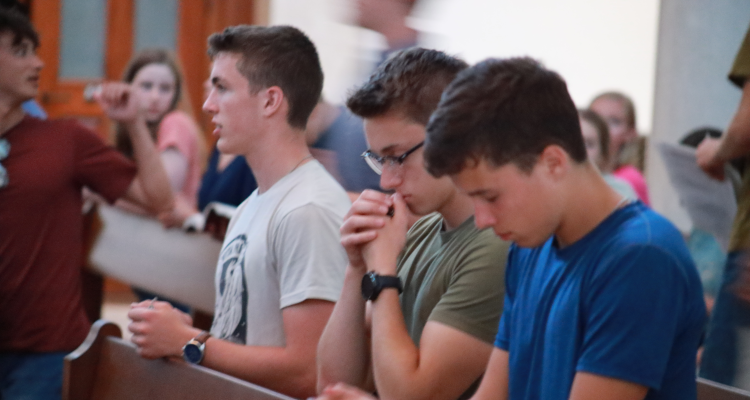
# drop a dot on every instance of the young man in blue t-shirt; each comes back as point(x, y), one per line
point(602, 298)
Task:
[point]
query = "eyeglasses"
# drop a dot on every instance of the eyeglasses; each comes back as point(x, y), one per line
point(378, 163)
point(4, 151)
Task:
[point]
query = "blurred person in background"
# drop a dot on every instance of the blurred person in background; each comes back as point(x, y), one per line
point(618, 111)
point(337, 140)
point(723, 357)
point(388, 17)
point(44, 167)
point(31, 107)
point(157, 82)
point(596, 138)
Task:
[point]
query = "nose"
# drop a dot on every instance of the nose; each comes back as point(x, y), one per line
point(209, 106)
point(390, 178)
point(483, 218)
point(38, 63)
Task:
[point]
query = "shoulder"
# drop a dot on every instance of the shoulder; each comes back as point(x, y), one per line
point(478, 248)
point(642, 242)
point(179, 122)
point(426, 224)
point(178, 117)
point(638, 224)
point(313, 186)
point(741, 67)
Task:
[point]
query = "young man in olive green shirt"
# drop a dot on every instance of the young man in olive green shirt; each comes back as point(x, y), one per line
point(433, 341)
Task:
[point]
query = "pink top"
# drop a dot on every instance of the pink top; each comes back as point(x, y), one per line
point(634, 177)
point(179, 131)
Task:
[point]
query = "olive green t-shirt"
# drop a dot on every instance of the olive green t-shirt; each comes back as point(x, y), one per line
point(740, 238)
point(456, 278)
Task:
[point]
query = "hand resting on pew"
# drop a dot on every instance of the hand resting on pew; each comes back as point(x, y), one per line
point(160, 331)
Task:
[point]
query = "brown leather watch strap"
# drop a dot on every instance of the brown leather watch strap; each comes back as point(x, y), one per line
point(202, 337)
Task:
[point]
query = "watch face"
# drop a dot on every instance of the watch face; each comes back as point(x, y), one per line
point(368, 285)
point(192, 353)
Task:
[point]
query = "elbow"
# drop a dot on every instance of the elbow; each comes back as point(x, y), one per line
point(303, 384)
point(325, 379)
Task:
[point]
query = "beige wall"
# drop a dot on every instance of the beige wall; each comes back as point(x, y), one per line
point(596, 45)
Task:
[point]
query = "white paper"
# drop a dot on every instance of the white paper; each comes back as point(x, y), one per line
point(711, 204)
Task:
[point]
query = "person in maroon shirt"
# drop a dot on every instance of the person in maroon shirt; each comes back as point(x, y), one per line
point(44, 166)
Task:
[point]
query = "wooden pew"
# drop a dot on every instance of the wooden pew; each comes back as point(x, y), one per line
point(709, 390)
point(106, 367)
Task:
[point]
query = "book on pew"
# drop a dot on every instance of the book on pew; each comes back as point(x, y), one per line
point(215, 213)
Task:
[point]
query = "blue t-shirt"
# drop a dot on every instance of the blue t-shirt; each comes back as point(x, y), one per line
point(230, 186)
point(624, 301)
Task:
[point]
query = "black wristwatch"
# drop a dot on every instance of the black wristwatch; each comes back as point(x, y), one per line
point(193, 350)
point(373, 284)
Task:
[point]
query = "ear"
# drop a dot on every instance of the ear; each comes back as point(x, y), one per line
point(273, 100)
point(555, 161)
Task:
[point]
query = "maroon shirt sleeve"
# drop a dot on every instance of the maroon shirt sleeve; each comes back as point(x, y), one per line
point(100, 167)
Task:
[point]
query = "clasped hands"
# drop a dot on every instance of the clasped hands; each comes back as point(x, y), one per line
point(373, 239)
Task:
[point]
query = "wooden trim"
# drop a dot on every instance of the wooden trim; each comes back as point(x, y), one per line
point(191, 49)
point(46, 18)
point(119, 45)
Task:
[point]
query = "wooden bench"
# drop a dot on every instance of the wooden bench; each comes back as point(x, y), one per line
point(709, 390)
point(107, 367)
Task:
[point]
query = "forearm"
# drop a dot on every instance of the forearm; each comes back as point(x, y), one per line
point(277, 368)
point(343, 351)
point(153, 179)
point(495, 383)
point(736, 141)
point(396, 360)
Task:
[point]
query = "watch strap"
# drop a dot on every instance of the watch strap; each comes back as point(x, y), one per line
point(388, 281)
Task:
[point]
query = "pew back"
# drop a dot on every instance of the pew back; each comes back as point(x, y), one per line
point(709, 390)
point(106, 367)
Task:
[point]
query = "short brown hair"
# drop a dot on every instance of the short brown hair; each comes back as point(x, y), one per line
point(17, 24)
point(410, 82)
point(280, 56)
point(503, 111)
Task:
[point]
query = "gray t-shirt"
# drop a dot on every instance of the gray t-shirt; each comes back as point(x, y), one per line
point(282, 248)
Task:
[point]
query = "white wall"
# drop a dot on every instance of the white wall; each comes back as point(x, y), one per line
point(595, 45)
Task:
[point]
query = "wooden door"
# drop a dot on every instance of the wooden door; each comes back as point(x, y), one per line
point(84, 42)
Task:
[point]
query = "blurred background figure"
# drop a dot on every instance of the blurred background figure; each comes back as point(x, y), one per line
point(596, 137)
point(707, 253)
point(157, 80)
point(618, 111)
point(30, 107)
point(388, 17)
point(726, 357)
point(337, 139)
